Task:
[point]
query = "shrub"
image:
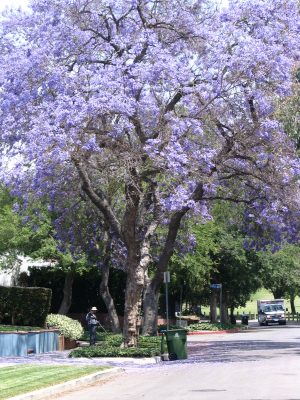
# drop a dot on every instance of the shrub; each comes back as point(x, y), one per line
point(209, 326)
point(149, 341)
point(110, 351)
point(25, 305)
point(109, 346)
point(70, 328)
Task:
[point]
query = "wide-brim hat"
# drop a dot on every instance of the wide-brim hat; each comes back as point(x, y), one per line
point(94, 309)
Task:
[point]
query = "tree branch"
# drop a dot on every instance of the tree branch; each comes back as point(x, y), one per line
point(98, 199)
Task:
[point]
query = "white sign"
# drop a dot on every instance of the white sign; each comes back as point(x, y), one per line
point(167, 277)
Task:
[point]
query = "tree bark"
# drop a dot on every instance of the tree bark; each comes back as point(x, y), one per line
point(213, 306)
point(67, 297)
point(224, 312)
point(292, 300)
point(133, 296)
point(108, 300)
point(150, 309)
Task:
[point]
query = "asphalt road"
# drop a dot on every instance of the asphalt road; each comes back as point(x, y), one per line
point(258, 364)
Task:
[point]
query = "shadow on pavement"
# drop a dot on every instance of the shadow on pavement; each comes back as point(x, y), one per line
point(239, 351)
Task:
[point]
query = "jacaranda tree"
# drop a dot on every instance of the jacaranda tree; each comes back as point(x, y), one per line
point(149, 109)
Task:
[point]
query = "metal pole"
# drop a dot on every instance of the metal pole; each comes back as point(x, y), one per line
point(221, 303)
point(180, 306)
point(167, 304)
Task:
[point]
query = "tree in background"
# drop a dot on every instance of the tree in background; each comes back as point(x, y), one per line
point(20, 234)
point(220, 255)
point(281, 271)
point(168, 100)
point(238, 270)
point(191, 266)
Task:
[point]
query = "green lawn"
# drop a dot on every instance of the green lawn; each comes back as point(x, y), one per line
point(20, 379)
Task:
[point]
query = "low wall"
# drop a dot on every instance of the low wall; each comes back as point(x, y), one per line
point(24, 343)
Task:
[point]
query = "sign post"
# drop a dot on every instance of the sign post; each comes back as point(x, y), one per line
point(166, 281)
point(218, 286)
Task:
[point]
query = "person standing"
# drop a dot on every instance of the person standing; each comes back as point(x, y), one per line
point(92, 323)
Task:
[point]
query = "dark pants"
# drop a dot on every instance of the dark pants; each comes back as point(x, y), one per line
point(92, 332)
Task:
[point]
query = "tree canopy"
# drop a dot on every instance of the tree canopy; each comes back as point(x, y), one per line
point(149, 110)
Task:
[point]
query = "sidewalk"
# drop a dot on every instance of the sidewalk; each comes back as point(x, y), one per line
point(61, 357)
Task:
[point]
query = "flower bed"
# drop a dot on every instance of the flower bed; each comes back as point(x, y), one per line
point(109, 346)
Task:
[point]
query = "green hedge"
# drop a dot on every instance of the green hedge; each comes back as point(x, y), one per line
point(25, 305)
point(110, 351)
point(209, 326)
point(109, 346)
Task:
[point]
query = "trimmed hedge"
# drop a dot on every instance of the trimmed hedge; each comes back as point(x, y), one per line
point(209, 326)
point(109, 346)
point(25, 305)
point(110, 351)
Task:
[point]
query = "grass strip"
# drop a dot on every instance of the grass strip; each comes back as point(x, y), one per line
point(21, 379)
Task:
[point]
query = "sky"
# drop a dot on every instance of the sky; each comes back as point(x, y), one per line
point(16, 3)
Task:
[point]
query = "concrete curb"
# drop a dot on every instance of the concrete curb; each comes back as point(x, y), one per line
point(61, 387)
point(214, 332)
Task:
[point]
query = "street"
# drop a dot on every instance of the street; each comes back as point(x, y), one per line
point(257, 364)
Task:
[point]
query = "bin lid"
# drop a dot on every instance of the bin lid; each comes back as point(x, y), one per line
point(176, 333)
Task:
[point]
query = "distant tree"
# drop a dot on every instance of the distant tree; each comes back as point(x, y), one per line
point(169, 100)
point(281, 271)
point(20, 234)
point(192, 265)
point(238, 270)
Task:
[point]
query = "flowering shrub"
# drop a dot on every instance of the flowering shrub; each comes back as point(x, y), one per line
point(70, 328)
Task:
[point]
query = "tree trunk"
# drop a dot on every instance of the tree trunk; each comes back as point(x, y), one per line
point(232, 317)
point(150, 308)
point(68, 289)
point(278, 294)
point(213, 306)
point(224, 312)
point(152, 295)
point(108, 300)
point(292, 300)
point(133, 296)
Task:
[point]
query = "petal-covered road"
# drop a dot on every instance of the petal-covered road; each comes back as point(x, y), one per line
point(258, 364)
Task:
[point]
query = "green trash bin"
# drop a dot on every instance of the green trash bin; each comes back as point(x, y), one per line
point(176, 342)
